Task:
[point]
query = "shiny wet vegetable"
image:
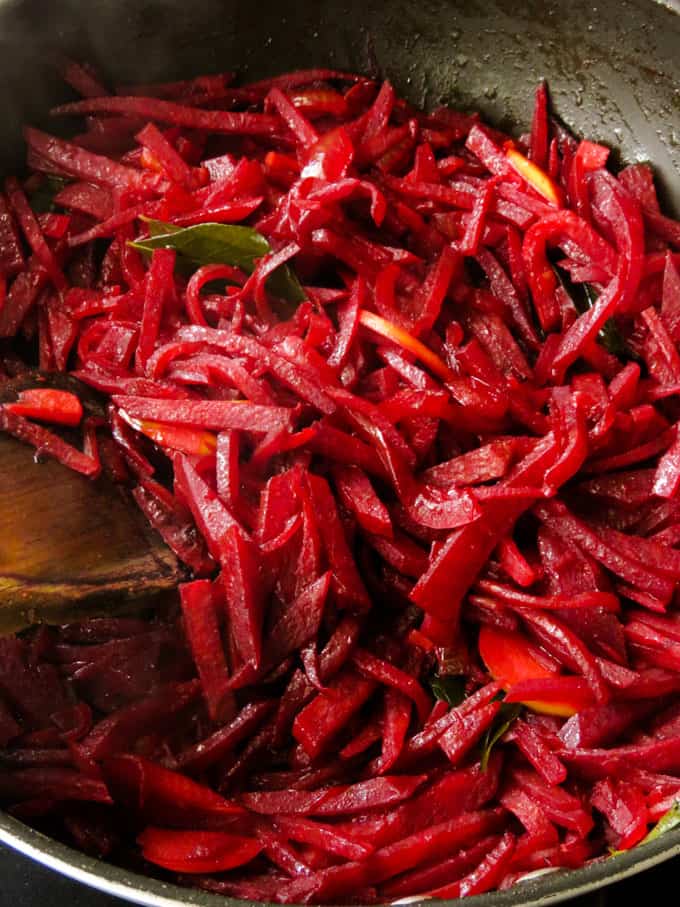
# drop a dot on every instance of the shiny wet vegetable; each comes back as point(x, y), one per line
point(399, 392)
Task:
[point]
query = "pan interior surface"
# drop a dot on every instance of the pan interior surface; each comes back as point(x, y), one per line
point(614, 74)
point(613, 67)
point(551, 888)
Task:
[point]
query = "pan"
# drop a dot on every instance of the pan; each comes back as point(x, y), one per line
point(613, 67)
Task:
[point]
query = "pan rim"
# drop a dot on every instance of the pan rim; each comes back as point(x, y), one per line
point(147, 891)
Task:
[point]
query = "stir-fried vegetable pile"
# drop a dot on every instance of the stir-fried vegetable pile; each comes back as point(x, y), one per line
point(402, 394)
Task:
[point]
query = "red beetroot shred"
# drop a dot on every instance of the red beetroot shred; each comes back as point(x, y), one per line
point(414, 385)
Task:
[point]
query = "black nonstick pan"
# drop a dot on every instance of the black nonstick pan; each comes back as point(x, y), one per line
point(613, 67)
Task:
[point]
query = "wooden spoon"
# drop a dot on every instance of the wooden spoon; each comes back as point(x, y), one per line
point(70, 547)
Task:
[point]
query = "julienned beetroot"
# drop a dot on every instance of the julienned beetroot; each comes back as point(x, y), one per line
point(402, 395)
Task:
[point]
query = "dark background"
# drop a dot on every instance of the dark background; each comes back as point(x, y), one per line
point(26, 884)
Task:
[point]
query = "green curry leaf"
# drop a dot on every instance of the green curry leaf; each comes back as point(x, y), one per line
point(449, 688)
point(610, 335)
point(667, 822)
point(42, 198)
point(229, 244)
point(507, 715)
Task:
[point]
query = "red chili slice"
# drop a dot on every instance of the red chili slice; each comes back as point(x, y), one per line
point(47, 405)
point(197, 851)
point(512, 660)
